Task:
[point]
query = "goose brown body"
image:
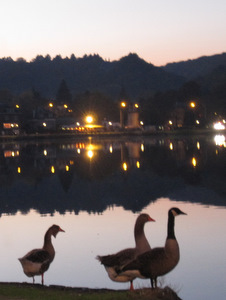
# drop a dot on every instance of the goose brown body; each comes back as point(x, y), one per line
point(37, 261)
point(114, 262)
point(158, 261)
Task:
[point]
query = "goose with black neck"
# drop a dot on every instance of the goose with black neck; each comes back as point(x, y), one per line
point(158, 261)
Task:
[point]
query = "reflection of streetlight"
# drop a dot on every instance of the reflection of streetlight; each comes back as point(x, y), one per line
point(125, 166)
point(194, 162)
point(220, 140)
point(90, 154)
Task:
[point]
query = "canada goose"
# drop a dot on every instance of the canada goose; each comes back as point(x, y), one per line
point(114, 262)
point(158, 261)
point(37, 261)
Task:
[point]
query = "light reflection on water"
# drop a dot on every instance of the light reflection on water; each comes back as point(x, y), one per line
point(99, 206)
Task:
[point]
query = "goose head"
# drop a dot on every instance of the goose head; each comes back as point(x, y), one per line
point(54, 229)
point(175, 211)
point(143, 218)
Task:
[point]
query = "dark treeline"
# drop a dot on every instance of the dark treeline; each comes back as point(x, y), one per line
point(96, 83)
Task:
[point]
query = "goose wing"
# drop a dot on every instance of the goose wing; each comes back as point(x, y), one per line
point(38, 256)
point(119, 259)
point(144, 260)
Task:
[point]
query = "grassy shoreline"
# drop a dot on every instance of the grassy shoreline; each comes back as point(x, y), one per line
point(26, 291)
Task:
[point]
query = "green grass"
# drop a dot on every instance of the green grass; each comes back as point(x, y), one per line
point(23, 291)
point(38, 292)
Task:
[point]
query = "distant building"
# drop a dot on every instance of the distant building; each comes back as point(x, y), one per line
point(133, 117)
point(10, 120)
point(42, 121)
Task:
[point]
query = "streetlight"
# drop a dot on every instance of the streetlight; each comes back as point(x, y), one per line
point(192, 104)
point(123, 104)
point(89, 119)
point(136, 105)
point(122, 107)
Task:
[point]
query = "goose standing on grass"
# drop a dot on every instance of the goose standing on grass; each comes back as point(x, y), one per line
point(113, 263)
point(158, 261)
point(37, 261)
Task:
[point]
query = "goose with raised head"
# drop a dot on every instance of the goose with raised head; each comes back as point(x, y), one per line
point(37, 261)
point(158, 261)
point(113, 263)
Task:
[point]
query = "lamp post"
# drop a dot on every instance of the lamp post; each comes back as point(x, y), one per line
point(122, 108)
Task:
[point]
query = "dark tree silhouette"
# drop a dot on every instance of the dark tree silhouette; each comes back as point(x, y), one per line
point(63, 94)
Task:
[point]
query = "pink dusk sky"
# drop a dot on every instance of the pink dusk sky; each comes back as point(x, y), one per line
point(159, 31)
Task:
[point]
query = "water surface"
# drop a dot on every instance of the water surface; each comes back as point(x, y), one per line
point(95, 189)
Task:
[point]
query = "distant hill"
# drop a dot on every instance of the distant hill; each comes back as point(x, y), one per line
point(133, 75)
point(90, 73)
point(199, 67)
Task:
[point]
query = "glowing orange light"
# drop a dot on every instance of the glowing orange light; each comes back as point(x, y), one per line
point(194, 162)
point(125, 166)
point(90, 154)
point(89, 119)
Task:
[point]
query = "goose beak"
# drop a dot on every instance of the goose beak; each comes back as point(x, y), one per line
point(151, 220)
point(60, 229)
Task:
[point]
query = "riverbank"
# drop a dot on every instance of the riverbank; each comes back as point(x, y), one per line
point(25, 291)
point(111, 134)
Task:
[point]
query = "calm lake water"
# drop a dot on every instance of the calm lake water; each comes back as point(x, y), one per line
point(95, 189)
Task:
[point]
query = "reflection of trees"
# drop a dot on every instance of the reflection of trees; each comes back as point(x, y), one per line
point(93, 184)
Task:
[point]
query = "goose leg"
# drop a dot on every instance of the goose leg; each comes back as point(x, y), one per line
point(155, 281)
point(42, 278)
point(131, 286)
